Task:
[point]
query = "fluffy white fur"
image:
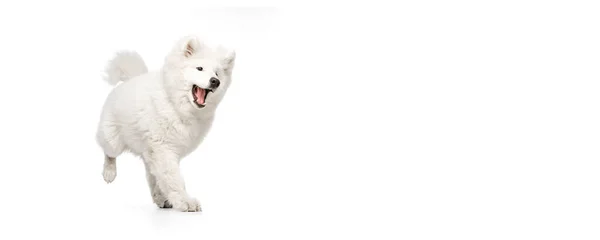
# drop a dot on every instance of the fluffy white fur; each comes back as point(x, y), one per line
point(153, 114)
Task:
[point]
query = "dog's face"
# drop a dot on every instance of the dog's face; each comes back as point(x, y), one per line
point(201, 75)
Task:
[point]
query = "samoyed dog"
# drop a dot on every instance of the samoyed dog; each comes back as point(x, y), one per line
point(163, 116)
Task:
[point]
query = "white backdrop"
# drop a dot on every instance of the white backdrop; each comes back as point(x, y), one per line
point(429, 120)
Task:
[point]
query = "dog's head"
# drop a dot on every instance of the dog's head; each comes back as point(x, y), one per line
point(198, 74)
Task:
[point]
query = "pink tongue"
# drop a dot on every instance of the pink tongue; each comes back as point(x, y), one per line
point(200, 93)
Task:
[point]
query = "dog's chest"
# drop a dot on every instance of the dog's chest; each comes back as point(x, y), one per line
point(186, 137)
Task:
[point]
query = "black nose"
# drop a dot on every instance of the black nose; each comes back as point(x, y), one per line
point(214, 82)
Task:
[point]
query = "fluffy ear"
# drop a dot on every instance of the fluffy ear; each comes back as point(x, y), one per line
point(229, 62)
point(190, 46)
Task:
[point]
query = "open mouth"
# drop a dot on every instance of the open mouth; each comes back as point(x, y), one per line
point(200, 95)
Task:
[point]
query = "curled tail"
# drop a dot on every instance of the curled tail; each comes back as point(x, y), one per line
point(124, 66)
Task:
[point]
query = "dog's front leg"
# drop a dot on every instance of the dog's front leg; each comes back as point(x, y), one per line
point(158, 197)
point(164, 166)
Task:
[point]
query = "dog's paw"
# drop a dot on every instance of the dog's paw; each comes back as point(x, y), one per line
point(109, 174)
point(160, 200)
point(165, 204)
point(184, 204)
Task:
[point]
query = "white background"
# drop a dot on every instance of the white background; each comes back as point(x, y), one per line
point(428, 120)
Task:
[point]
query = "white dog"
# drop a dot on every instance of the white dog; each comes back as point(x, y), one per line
point(163, 116)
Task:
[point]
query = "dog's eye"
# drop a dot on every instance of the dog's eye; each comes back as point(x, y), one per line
point(199, 68)
point(216, 73)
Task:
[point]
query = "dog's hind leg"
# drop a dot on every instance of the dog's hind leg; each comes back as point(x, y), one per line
point(110, 169)
point(108, 138)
